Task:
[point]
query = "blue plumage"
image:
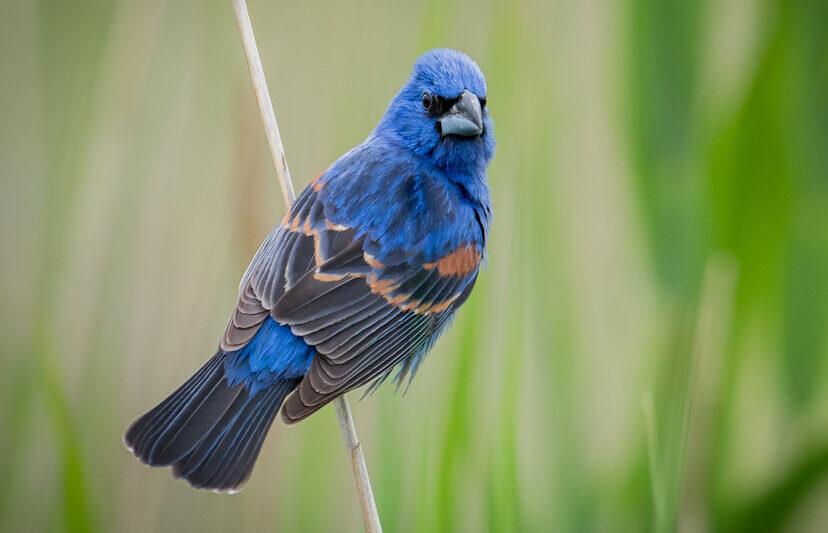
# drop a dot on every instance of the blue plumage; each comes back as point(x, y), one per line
point(360, 278)
point(273, 355)
point(422, 210)
point(445, 73)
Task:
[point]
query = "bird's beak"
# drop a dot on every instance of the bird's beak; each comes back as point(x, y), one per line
point(464, 118)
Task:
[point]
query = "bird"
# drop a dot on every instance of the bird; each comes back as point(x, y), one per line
point(358, 280)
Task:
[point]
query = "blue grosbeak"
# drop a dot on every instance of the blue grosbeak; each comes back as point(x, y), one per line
point(359, 279)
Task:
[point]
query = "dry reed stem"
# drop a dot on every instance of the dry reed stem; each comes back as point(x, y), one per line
point(274, 142)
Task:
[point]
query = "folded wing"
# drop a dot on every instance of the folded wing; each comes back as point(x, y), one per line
point(363, 316)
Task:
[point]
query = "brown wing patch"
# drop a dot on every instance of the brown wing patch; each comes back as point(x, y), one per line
point(383, 287)
point(300, 222)
point(317, 181)
point(335, 227)
point(439, 308)
point(458, 264)
point(373, 261)
point(461, 262)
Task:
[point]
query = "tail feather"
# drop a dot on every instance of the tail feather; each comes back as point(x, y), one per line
point(143, 434)
point(189, 429)
point(187, 466)
point(225, 459)
point(209, 432)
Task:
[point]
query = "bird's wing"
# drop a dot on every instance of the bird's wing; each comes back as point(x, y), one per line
point(365, 317)
point(302, 241)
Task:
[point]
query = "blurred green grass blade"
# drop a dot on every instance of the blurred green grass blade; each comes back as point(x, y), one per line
point(425, 519)
point(657, 483)
point(750, 178)
point(768, 180)
point(18, 413)
point(77, 512)
point(805, 109)
point(804, 342)
point(758, 186)
point(457, 437)
point(771, 509)
point(69, 75)
point(550, 298)
point(504, 491)
point(390, 480)
point(72, 39)
point(663, 41)
point(690, 382)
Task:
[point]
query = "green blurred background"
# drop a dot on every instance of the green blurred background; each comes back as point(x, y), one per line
point(645, 351)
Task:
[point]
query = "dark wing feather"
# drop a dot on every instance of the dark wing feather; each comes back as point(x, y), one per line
point(326, 381)
point(303, 240)
point(364, 318)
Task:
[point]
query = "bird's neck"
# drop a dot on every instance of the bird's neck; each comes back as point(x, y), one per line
point(473, 187)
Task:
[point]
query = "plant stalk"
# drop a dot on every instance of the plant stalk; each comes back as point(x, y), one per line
point(370, 515)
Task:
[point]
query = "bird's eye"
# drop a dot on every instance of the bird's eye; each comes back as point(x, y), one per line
point(428, 101)
point(483, 102)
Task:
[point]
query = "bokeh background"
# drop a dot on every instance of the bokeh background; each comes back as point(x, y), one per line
point(646, 350)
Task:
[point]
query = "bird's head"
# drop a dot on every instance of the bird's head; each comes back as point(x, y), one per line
point(441, 114)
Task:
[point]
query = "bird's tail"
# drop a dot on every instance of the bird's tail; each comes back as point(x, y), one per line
point(210, 432)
